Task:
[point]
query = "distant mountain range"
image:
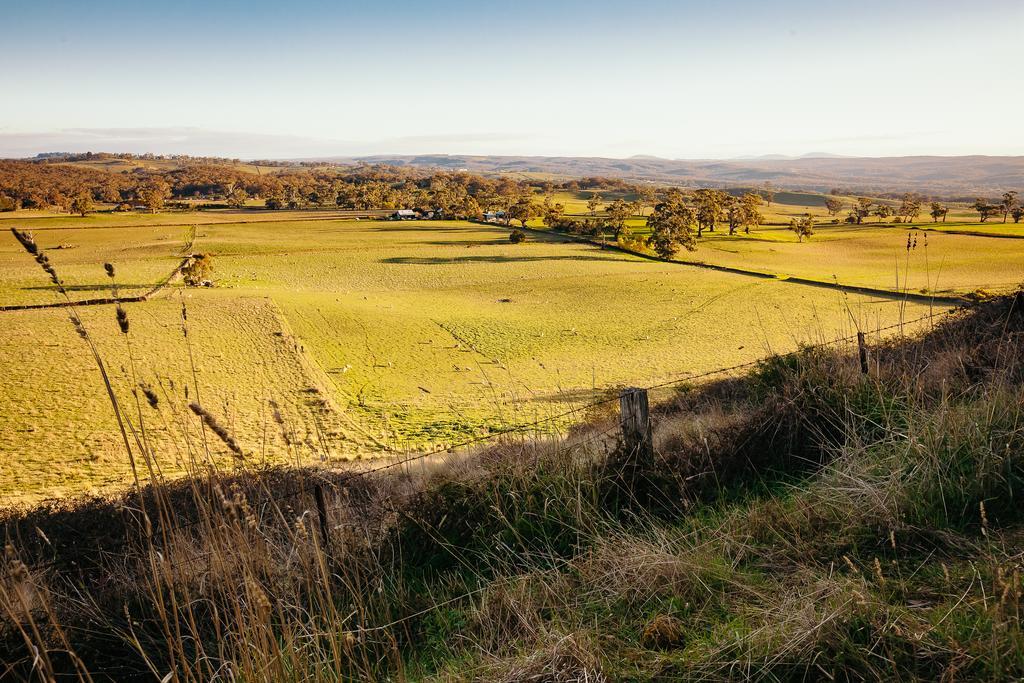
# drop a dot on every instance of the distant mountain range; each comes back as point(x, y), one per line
point(960, 177)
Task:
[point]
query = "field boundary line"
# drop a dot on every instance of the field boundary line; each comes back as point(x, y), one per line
point(368, 213)
point(153, 291)
point(854, 289)
point(968, 233)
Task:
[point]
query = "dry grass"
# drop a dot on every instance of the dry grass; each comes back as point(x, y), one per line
point(804, 521)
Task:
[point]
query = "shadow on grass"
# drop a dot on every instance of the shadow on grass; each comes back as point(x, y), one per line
point(440, 260)
point(101, 287)
point(497, 241)
point(422, 226)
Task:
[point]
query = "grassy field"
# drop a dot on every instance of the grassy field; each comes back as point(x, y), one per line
point(870, 256)
point(370, 336)
point(788, 205)
point(802, 521)
point(944, 258)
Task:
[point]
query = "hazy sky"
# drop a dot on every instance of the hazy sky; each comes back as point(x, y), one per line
point(704, 79)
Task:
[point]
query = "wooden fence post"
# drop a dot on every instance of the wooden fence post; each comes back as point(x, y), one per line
point(635, 419)
point(863, 349)
point(321, 511)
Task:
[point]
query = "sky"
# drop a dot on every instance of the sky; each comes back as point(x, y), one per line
point(682, 79)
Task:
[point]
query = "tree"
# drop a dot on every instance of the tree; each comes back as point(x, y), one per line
point(470, 208)
point(742, 212)
point(552, 215)
point(834, 205)
point(1008, 203)
point(522, 211)
point(861, 210)
point(751, 214)
point(618, 211)
point(910, 207)
point(709, 204)
point(110, 194)
point(58, 200)
point(671, 225)
point(593, 203)
point(238, 197)
point(768, 193)
point(883, 211)
point(986, 210)
point(938, 211)
point(1017, 213)
point(804, 227)
point(82, 203)
point(645, 196)
point(152, 195)
point(198, 270)
point(516, 236)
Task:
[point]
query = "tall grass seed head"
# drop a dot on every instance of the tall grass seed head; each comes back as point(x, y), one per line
point(122, 319)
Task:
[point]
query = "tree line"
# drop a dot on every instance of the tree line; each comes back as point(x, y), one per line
point(52, 182)
point(677, 220)
point(912, 205)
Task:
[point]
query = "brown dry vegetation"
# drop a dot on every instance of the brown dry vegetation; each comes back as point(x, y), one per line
point(804, 521)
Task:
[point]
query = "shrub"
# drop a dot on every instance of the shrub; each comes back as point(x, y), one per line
point(198, 270)
point(517, 236)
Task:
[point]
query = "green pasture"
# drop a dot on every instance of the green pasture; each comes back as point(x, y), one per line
point(937, 262)
point(785, 206)
point(370, 336)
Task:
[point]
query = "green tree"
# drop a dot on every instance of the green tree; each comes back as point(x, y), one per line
point(645, 197)
point(522, 211)
point(1017, 213)
point(883, 211)
point(618, 211)
point(238, 197)
point(153, 194)
point(938, 211)
point(470, 208)
point(709, 205)
point(985, 209)
point(671, 225)
point(553, 215)
point(834, 205)
point(593, 203)
point(860, 210)
point(751, 202)
point(82, 203)
point(1008, 203)
point(803, 227)
point(768, 193)
point(909, 208)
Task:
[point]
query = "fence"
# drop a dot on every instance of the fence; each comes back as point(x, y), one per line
point(634, 425)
